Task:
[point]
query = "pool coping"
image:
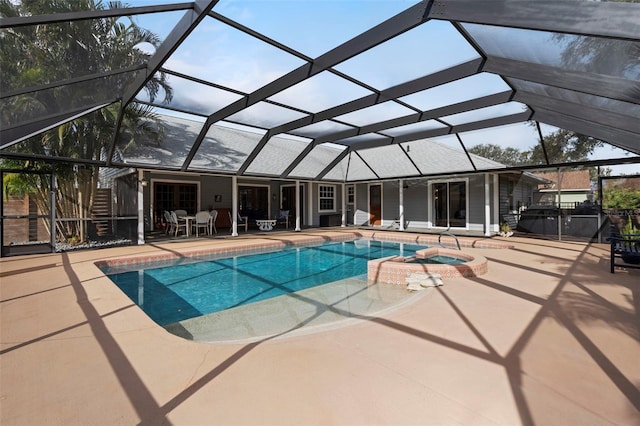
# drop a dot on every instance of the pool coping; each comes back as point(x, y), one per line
point(267, 245)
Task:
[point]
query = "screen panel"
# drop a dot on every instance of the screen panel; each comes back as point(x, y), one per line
point(236, 60)
point(277, 155)
point(410, 55)
point(225, 148)
point(166, 145)
point(317, 160)
point(389, 161)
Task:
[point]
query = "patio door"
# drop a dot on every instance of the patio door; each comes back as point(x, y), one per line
point(254, 202)
point(449, 204)
point(173, 196)
point(375, 205)
point(288, 202)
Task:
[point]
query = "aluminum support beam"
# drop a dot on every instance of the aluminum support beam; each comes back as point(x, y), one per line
point(388, 29)
point(465, 106)
point(614, 20)
point(467, 127)
point(24, 21)
point(581, 82)
point(622, 139)
point(588, 112)
point(331, 165)
point(178, 34)
point(14, 135)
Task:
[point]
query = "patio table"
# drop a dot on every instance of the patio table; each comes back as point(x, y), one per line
point(266, 224)
point(188, 220)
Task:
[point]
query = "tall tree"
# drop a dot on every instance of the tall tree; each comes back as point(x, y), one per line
point(508, 156)
point(561, 146)
point(32, 56)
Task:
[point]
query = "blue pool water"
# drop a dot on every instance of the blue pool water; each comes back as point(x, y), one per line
point(440, 259)
point(181, 291)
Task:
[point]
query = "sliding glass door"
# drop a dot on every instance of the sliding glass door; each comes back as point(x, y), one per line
point(449, 201)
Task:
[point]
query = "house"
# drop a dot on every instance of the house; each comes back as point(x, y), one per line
point(463, 203)
point(573, 187)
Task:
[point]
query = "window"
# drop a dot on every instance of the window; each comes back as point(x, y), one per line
point(326, 198)
point(450, 204)
point(351, 194)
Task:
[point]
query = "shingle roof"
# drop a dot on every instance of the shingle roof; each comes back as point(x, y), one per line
point(570, 179)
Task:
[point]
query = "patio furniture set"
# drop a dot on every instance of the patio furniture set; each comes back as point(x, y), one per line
point(205, 221)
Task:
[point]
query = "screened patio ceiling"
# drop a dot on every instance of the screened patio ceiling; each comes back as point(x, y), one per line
point(344, 91)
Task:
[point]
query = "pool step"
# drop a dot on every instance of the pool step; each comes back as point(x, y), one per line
point(421, 280)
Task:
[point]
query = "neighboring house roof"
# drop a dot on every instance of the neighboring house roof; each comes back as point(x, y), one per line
point(575, 180)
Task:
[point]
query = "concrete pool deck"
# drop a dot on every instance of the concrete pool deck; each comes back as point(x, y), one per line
point(546, 336)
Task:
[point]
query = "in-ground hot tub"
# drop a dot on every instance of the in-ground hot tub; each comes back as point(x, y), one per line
point(445, 262)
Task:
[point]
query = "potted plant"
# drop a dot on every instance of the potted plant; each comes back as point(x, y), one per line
point(505, 230)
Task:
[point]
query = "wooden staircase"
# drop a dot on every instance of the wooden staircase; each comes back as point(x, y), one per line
point(101, 212)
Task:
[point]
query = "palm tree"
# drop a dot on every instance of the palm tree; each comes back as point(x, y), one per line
point(47, 53)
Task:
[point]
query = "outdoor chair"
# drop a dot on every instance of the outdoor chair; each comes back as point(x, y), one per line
point(180, 213)
point(283, 218)
point(202, 221)
point(212, 221)
point(177, 224)
point(168, 223)
point(242, 221)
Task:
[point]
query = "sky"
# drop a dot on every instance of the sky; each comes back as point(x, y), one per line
point(220, 54)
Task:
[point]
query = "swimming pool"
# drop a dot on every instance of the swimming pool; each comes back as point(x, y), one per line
point(181, 291)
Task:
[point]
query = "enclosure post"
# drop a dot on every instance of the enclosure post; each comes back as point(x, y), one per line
point(401, 202)
point(344, 206)
point(81, 213)
point(234, 206)
point(2, 221)
point(599, 206)
point(140, 208)
point(559, 205)
point(487, 206)
point(310, 209)
point(496, 203)
point(53, 209)
point(297, 206)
